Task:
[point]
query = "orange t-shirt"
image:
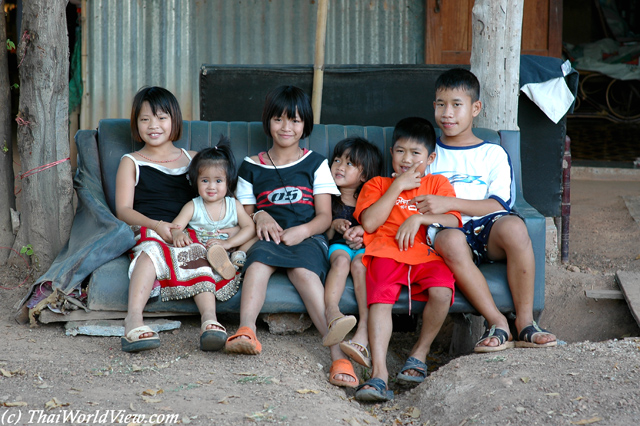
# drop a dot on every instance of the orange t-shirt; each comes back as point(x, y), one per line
point(382, 243)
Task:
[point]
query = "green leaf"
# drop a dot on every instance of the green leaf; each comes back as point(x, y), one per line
point(10, 45)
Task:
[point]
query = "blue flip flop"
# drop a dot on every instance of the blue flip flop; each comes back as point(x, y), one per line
point(412, 364)
point(380, 393)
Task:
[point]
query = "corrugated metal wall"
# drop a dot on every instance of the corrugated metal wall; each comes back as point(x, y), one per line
point(132, 43)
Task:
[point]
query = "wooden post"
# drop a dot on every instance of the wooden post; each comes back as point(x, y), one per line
point(43, 131)
point(495, 60)
point(7, 199)
point(318, 65)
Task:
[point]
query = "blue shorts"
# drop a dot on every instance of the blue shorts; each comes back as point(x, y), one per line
point(477, 234)
point(351, 252)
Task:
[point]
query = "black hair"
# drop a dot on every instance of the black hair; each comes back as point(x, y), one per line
point(417, 129)
point(460, 78)
point(362, 154)
point(160, 99)
point(220, 156)
point(287, 99)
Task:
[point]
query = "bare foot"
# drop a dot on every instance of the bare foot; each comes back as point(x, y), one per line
point(494, 341)
point(536, 335)
point(132, 321)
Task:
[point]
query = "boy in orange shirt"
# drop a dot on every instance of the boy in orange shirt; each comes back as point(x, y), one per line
point(397, 253)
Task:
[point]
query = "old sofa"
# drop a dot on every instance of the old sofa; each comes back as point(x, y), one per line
point(96, 252)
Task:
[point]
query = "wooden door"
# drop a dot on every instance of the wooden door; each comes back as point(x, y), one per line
point(448, 30)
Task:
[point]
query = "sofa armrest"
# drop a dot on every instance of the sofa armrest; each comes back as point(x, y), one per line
point(536, 223)
point(97, 236)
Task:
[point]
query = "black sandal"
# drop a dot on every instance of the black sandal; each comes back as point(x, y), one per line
point(497, 333)
point(525, 338)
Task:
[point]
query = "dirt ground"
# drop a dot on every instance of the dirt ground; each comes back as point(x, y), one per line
point(591, 378)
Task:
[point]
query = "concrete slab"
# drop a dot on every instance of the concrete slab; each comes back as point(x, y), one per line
point(113, 327)
point(630, 285)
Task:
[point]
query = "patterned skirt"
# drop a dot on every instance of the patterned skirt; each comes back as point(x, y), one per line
point(181, 272)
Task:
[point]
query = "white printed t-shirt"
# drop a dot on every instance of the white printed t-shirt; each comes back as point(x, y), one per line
point(477, 172)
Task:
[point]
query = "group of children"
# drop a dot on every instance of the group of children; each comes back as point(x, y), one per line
point(445, 209)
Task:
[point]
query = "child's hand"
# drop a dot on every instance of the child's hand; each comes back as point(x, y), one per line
point(353, 237)
point(267, 228)
point(340, 225)
point(164, 230)
point(229, 231)
point(355, 244)
point(433, 204)
point(407, 232)
point(409, 179)
point(355, 232)
point(182, 240)
point(294, 235)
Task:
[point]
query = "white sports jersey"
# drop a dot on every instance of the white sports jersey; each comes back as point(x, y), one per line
point(477, 172)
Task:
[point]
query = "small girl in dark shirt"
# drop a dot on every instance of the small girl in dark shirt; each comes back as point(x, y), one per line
point(355, 160)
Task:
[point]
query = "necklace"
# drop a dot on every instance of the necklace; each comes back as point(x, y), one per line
point(274, 164)
point(223, 209)
point(281, 180)
point(160, 161)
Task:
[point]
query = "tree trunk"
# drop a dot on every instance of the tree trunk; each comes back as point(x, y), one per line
point(495, 60)
point(7, 199)
point(43, 140)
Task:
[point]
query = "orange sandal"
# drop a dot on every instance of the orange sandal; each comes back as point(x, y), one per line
point(250, 346)
point(342, 366)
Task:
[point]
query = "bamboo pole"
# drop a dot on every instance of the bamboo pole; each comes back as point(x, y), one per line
point(318, 65)
point(84, 104)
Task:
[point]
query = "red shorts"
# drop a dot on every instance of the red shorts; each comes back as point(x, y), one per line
point(386, 277)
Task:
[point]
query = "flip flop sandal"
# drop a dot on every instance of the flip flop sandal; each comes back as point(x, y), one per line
point(250, 346)
point(357, 352)
point(238, 259)
point(497, 333)
point(525, 338)
point(412, 364)
point(212, 339)
point(132, 342)
point(338, 329)
point(379, 393)
point(219, 261)
point(342, 366)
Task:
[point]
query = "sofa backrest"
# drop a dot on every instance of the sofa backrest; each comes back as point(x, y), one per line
point(247, 138)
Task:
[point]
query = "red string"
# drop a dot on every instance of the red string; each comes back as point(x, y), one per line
point(22, 122)
point(25, 37)
point(41, 168)
point(37, 170)
point(28, 267)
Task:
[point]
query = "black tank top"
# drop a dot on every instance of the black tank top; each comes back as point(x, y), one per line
point(161, 196)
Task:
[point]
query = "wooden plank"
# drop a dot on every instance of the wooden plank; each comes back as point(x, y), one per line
point(633, 205)
point(47, 316)
point(604, 294)
point(630, 284)
point(555, 28)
